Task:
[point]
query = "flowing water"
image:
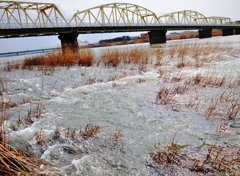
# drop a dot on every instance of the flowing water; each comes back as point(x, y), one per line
point(118, 99)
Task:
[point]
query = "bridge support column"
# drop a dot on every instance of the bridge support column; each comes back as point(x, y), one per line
point(205, 33)
point(156, 37)
point(237, 31)
point(226, 32)
point(69, 41)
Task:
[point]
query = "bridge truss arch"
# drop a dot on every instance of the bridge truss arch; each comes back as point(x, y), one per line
point(219, 20)
point(183, 17)
point(14, 14)
point(115, 14)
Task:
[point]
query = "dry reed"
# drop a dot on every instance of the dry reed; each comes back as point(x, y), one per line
point(208, 79)
point(56, 58)
point(224, 105)
point(115, 56)
point(204, 159)
point(15, 161)
point(186, 55)
point(167, 94)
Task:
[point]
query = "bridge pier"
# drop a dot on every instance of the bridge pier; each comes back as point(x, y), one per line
point(205, 33)
point(226, 32)
point(158, 36)
point(69, 41)
point(237, 31)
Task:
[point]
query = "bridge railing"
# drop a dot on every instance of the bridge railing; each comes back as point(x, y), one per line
point(93, 24)
point(5, 24)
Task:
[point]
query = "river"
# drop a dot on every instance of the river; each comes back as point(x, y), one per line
point(122, 101)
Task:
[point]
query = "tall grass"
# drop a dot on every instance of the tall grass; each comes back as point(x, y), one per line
point(210, 78)
point(189, 54)
point(212, 94)
point(186, 55)
point(56, 58)
point(13, 160)
point(226, 104)
point(115, 56)
point(218, 160)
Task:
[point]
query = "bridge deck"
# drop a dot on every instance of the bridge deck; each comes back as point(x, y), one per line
point(25, 32)
point(22, 19)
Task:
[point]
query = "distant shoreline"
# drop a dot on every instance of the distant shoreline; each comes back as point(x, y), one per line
point(18, 53)
point(171, 36)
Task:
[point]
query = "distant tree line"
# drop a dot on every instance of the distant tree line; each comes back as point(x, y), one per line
point(117, 39)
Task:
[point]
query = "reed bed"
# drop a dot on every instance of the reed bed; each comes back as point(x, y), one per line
point(8, 105)
point(184, 54)
point(212, 159)
point(78, 142)
point(224, 105)
point(209, 78)
point(167, 94)
point(113, 57)
point(179, 90)
point(89, 131)
point(194, 92)
point(17, 161)
point(193, 54)
point(84, 57)
point(2, 86)
point(5, 101)
point(33, 114)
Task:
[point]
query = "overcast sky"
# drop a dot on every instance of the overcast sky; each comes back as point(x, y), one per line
point(225, 8)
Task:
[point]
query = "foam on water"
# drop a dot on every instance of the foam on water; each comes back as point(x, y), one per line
point(127, 103)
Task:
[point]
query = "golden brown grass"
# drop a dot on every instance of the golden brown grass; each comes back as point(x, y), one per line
point(18, 162)
point(115, 56)
point(186, 55)
point(167, 94)
point(218, 160)
point(89, 131)
point(9, 67)
point(7, 105)
point(224, 105)
point(15, 161)
point(191, 54)
point(56, 58)
point(209, 78)
point(212, 94)
point(193, 88)
point(159, 54)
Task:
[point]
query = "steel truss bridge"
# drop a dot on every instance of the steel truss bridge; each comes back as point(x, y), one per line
point(24, 19)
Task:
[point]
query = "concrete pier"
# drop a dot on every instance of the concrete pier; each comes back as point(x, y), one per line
point(237, 31)
point(226, 32)
point(69, 41)
point(158, 36)
point(205, 33)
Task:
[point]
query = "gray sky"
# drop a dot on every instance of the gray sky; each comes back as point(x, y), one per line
point(225, 8)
